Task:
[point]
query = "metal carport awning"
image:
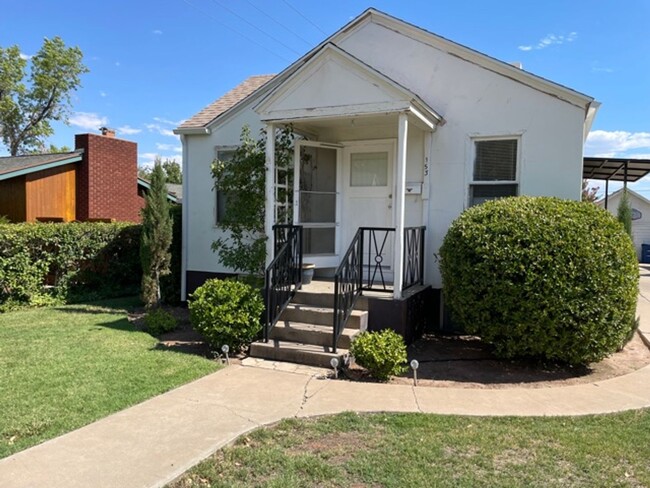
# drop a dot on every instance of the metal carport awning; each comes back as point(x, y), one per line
point(627, 170)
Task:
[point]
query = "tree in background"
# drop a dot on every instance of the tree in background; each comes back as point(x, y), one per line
point(28, 106)
point(171, 169)
point(624, 212)
point(589, 193)
point(51, 149)
point(156, 238)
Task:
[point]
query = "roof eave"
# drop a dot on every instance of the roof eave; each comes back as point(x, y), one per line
point(192, 131)
point(39, 167)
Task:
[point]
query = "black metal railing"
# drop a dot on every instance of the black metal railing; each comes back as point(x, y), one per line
point(376, 243)
point(413, 270)
point(348, 281)
point(283, 276)
point(363, 268)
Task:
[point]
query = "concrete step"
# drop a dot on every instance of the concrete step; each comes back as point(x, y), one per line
point(293, 352)
point(319, 335)
point(325, 300)
point(297, 312)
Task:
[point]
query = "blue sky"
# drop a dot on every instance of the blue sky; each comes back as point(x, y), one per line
point(153, 64)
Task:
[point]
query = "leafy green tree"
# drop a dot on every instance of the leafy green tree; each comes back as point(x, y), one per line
point(51, 149)
point(624, 212)
point(29, 103)
point(242, 179)
point(156, 238)
point(172, 170)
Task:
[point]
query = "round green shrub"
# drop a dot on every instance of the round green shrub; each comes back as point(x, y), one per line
point(383, 353)
point(227, 312)
point(542, 277)
point(159, 321)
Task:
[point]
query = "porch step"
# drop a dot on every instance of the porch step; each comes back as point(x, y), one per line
point(293, 352)
point(318, 335)
point(325, 300)
point(297, 312)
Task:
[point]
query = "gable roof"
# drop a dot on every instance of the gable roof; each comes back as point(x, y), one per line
point(13, 166)
point(631, 193)
point(172, 196)
point(415, 32)
point(222, 104)
point(357, 86)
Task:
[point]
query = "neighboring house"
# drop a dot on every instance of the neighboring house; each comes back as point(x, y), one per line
point(97, 181)
point(640, 216)
point(398, 128)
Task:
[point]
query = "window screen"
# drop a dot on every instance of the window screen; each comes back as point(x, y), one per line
point(222, 196)
point(495, 163)
point(496, 160)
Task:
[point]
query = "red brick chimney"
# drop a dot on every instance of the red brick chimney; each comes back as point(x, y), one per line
point(107, 178)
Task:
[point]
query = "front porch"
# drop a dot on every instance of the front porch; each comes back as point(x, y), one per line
point(355, 202)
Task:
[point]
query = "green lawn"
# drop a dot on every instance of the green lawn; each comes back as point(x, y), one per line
point(417, 450)
point(64, 367)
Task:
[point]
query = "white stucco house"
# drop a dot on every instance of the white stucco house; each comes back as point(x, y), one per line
point(640, 216)
point(399, 128)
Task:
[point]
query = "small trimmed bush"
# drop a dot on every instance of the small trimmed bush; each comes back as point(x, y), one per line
point(542, 277)
point(382, 353)
point(159, 321)
point(227, 312)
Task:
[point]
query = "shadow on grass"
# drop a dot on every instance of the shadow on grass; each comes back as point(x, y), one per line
point(108, 306)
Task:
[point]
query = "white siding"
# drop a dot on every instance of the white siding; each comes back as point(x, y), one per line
point(640, 227)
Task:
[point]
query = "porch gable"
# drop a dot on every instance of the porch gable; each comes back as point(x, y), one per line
point(333, 83)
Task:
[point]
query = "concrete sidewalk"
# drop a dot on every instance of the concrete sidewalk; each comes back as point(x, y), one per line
point(151, 443)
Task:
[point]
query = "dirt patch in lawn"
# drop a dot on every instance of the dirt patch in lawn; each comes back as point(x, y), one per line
point(466, 362)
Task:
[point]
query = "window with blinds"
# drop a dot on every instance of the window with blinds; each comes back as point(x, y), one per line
point(494, 171)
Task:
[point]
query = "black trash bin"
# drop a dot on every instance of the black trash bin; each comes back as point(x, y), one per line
point(645, 253)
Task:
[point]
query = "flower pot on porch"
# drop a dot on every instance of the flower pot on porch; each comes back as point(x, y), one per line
point(307, 272)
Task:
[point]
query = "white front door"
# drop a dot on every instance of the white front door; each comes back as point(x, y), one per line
point(367, 189)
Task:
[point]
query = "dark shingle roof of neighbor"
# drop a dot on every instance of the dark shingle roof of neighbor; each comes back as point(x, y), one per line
point(34, 162)
point(227, 101)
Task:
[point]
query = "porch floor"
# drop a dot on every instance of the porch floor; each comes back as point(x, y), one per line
point(326, 287)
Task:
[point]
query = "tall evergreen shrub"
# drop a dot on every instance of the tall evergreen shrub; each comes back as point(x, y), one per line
point(156, 238)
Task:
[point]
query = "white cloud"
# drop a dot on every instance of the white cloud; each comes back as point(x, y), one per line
point(168, 147)
point(88, 120)
point(611, 144)
point(128, 130)
point(550, 40)
point(596, 69)
point(160, 128)
point(103, 94)
point(156, 31)
point(26, 56)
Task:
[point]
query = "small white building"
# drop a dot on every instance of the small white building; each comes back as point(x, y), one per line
point(400, 129)
point(640, 216)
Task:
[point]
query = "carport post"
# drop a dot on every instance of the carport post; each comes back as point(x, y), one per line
point(606, 192)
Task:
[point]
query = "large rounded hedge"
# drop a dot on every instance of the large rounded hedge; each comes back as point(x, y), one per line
point(542, 277)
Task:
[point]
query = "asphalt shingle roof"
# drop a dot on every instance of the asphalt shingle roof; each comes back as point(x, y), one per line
point(10, 164)
point(230, 99)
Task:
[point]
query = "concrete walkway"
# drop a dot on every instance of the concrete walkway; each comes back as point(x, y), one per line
point(152, 443)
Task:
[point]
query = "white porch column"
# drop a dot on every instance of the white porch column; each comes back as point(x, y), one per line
point(400, 185)
point(269, 206)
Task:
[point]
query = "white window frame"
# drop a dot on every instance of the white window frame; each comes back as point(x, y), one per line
point(470, 165)
point(217, 150)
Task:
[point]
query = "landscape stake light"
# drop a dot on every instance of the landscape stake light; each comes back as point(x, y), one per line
point(225, 350)
point(335, 365)
point(415, 365)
